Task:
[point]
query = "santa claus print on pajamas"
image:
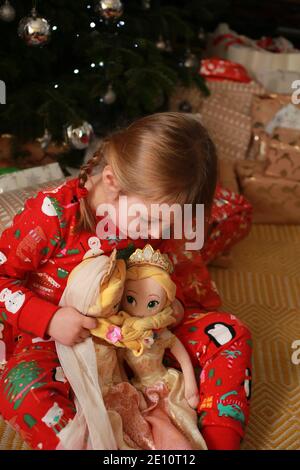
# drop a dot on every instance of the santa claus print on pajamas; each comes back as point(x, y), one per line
point(48, 207)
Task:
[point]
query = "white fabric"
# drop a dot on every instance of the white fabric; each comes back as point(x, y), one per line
point(91, 427)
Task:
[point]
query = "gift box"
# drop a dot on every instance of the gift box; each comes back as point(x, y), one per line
point(274, 62)
point(30, 177)
point(275, 200)
point(283, 160)
point(226, 113)
point(276, 134)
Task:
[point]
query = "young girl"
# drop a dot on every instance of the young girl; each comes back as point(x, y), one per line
point(164, 157)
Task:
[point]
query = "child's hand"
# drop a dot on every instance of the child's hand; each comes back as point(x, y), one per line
point(192, 396)
point(68, 326)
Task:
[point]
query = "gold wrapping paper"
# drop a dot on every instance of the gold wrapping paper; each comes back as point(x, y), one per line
point(283, 160)
point(274, 200)
point(264, 109)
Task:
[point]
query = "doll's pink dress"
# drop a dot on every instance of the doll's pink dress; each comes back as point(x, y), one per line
point(173, 421)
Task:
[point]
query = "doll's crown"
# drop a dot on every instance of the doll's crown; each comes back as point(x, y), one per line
point(150, 256)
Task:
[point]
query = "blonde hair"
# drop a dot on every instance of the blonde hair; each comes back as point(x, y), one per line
point(136, 273)
point(165, 157)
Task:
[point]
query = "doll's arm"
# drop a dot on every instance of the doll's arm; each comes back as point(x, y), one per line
point(190, 384)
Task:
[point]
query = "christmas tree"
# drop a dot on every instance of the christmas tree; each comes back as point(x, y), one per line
point(100, 62)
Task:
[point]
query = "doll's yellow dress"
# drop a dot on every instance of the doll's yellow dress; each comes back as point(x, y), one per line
point(173, 421)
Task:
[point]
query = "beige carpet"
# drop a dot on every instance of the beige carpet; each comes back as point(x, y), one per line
point(262, 287)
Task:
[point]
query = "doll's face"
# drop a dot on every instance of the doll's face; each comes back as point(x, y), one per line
point(143, 298)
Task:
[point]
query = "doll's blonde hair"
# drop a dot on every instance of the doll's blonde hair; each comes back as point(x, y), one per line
point(165, 157)
point(136, 273)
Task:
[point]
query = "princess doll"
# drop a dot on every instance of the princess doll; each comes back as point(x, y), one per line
point(108, 407)
point(140, 332)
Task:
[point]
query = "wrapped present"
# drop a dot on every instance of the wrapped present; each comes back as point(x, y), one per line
point(283, 160)
point(274, 62)
point(275, 121)
point(275, 200)
point(226, 113)
point(229, 129)
point(30, 177)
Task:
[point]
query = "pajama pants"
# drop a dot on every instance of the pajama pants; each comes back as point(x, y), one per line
point(37, 400)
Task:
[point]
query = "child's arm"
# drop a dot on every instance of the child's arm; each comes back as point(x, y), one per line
point(190, 384)
point(31, 240)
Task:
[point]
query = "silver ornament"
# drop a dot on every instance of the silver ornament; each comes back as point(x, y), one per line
point(7, 12)
point(79, 137)
point(34, 29)
point(110, 96)
point(191, 60)
point(110, 9)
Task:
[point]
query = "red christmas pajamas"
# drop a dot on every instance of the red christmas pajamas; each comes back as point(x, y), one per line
point(36, 255)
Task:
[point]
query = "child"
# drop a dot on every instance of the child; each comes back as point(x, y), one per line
point(164, 157)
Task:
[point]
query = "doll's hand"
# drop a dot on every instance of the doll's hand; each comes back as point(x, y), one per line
point(192, 396)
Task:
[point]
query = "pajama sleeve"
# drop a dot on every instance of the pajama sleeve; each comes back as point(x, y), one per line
point(23, 247)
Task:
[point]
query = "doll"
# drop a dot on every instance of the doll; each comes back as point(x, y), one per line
point(140, 332)
point(108, 407)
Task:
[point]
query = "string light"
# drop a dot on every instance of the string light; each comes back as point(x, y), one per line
point(89, 6)
point(76, 71)
point(93, 65)
point(101, 63)
point(92, 24)
point(56, 85)
point(54, 28)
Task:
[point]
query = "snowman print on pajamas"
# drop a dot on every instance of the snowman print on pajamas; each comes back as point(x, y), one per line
point(220, 333)
point(13, 301)
point(95, 248)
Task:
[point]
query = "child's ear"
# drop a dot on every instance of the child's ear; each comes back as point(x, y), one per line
point(110, 184)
